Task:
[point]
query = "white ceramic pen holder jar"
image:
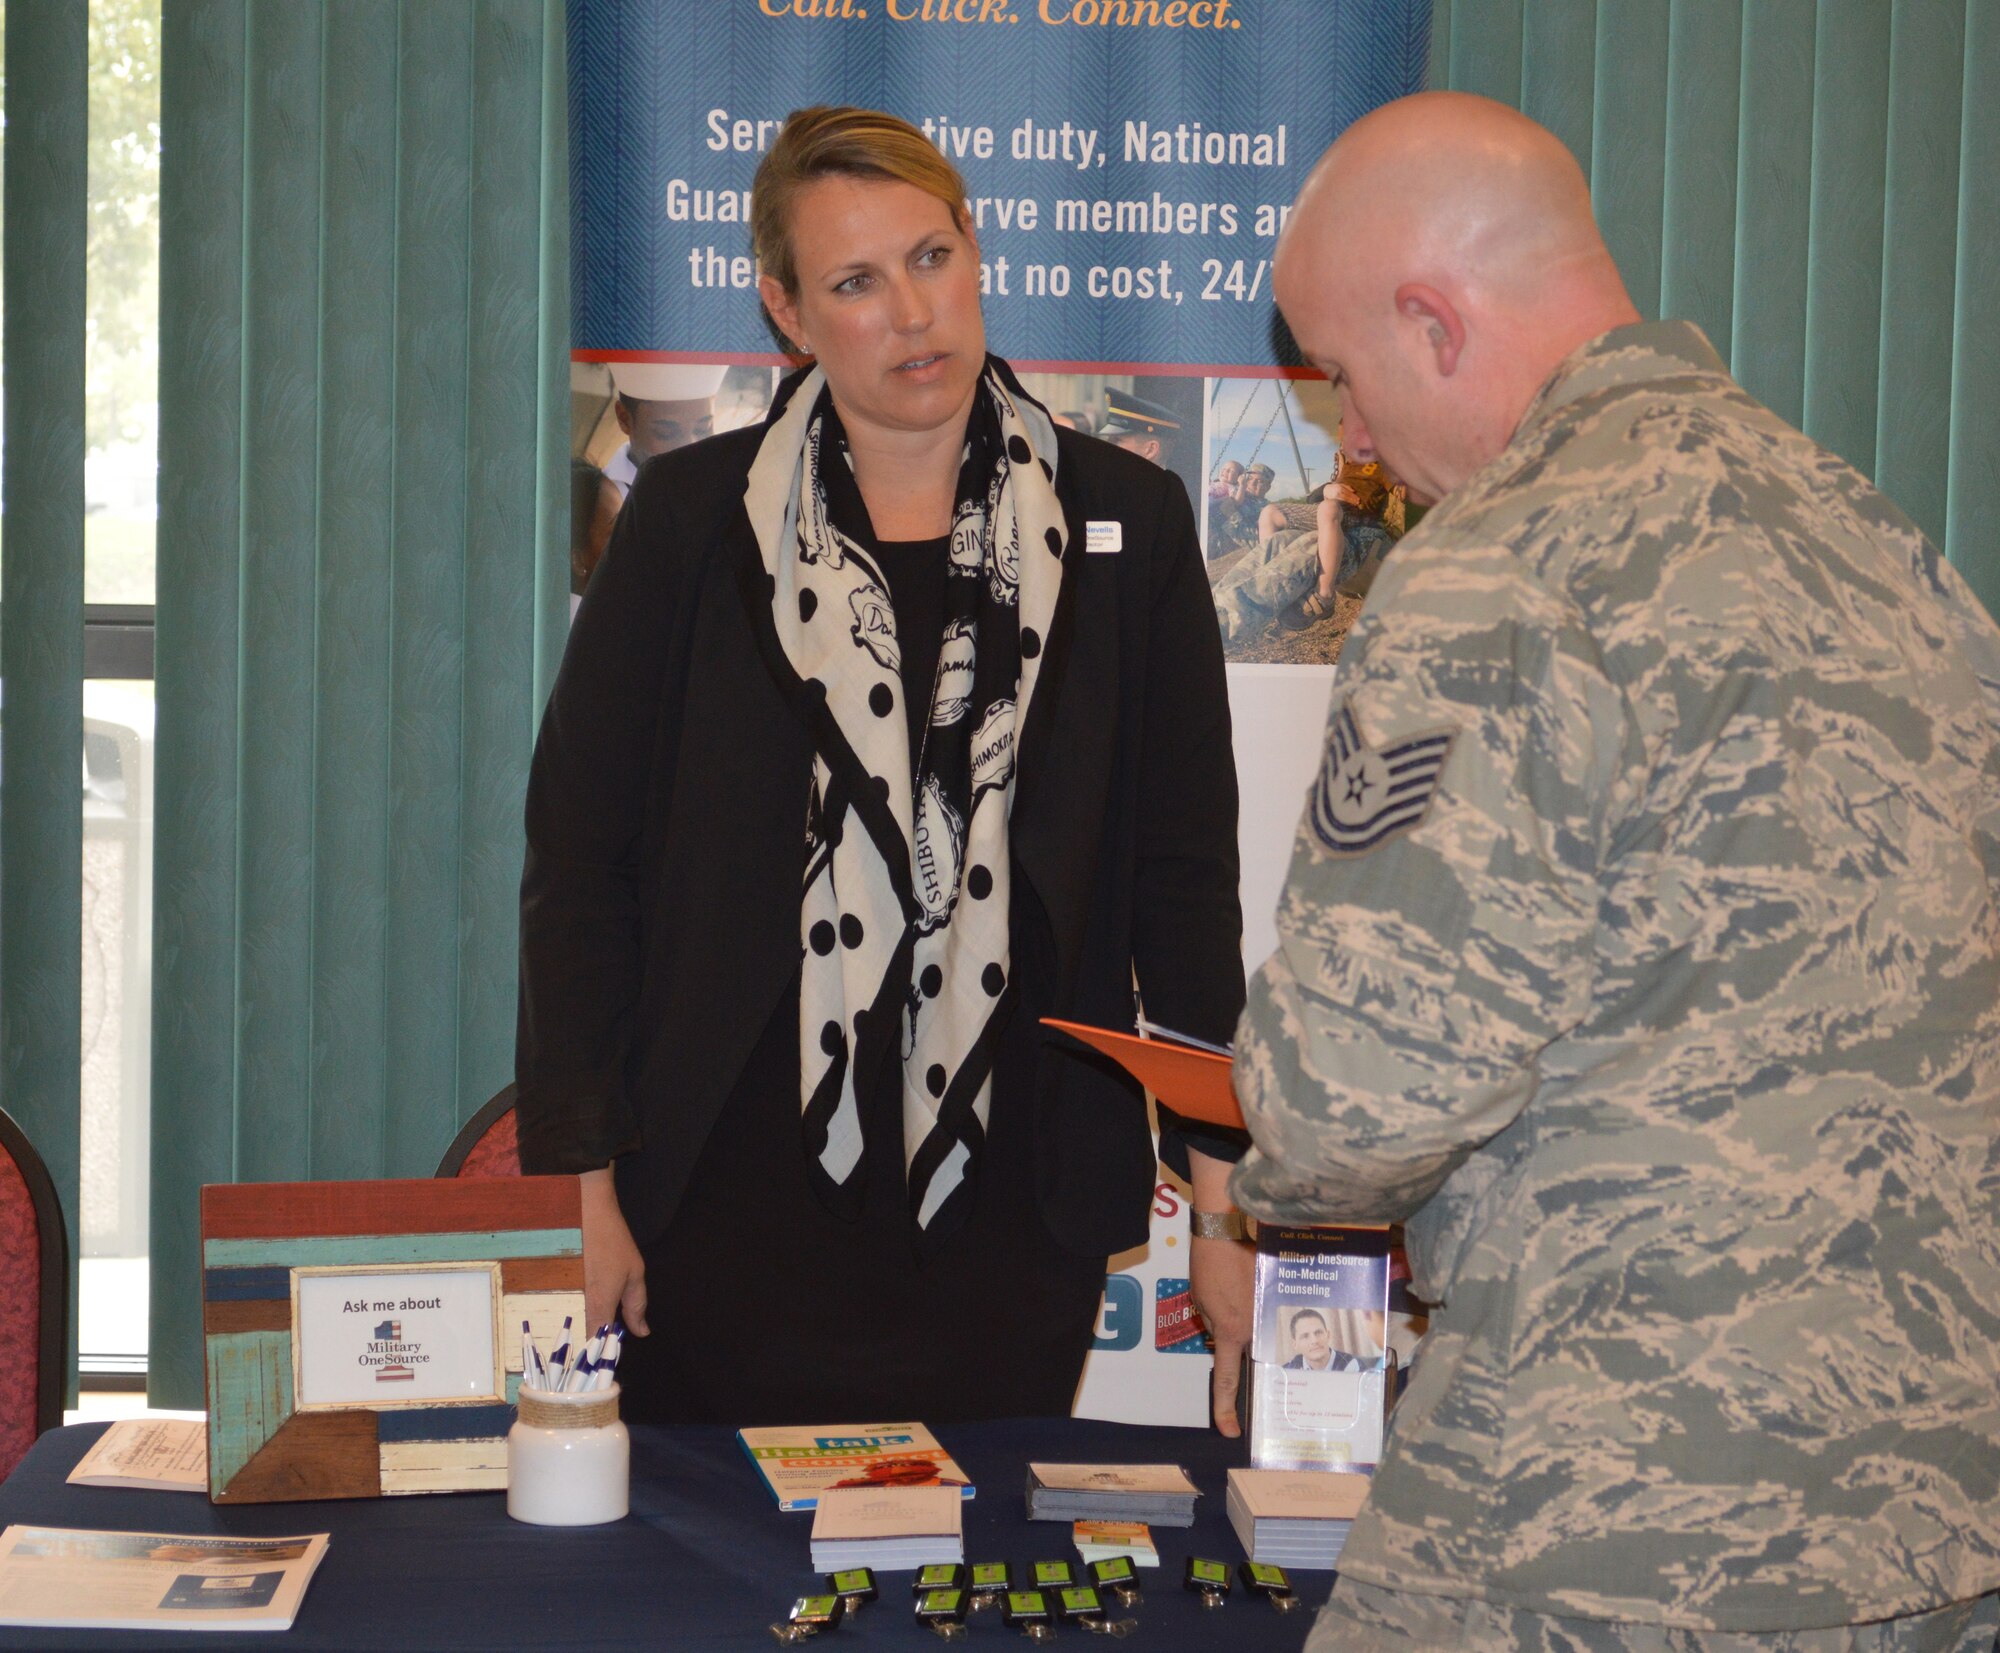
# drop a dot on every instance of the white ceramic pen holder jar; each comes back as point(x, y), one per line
point(569, 1459)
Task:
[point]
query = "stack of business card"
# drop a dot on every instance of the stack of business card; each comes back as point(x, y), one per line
point(1297, 1518)
point(1102, 1540)
point(1158, 1493)
point(892, 1529)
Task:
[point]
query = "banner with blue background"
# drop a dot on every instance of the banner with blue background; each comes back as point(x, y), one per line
point(1129, 164)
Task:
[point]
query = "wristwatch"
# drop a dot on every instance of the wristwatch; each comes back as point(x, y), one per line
point(1217, 1225)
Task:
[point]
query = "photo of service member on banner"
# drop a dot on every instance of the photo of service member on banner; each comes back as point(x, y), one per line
point(1128, 167)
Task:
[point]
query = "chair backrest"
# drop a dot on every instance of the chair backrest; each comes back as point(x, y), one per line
point(487, 1144)
point(34, 1297)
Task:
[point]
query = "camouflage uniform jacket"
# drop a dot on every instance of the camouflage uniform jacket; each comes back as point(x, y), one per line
point(1661, 998)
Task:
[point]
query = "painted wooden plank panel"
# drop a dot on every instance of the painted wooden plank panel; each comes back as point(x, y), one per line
point(443, 1423)
point(1559, 70)
point(357, 440)
point(1629, 140)
point(256, 1314)
point(280, 519)
point(544, 1312)
point(427, 659)
point(442, 1466)
point(1485, 51)
point(245, 1285)
point(249, 1399)
point(1767, 351)
point(196, 682)
point(1844, 252)
point(1919, 261)
point(1973, 501)
point(1698, 235)
point(541, 1274)
point(357, 1250)
point(314, 1455)
point(275, 1209)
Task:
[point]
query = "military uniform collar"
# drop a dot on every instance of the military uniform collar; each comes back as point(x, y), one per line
point(1624, 356)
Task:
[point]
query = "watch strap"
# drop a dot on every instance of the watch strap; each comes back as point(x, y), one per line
point(1217, 1225)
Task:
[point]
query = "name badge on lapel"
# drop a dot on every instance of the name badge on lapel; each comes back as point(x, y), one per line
point(1103, 538)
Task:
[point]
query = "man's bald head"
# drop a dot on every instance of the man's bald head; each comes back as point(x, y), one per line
point(1441, 260)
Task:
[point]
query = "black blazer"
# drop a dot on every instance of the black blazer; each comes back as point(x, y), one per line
point(666, 834)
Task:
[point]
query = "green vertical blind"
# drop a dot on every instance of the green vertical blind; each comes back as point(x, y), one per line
point(361, 548)
point(1811, 181)
point(41, 588)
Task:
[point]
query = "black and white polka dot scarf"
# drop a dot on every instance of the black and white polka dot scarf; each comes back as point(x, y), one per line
point(904, 916)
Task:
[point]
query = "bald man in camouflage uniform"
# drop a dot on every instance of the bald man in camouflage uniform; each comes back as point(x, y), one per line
point(1640, 951)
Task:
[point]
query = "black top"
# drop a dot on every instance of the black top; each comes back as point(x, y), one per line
point(660, 898)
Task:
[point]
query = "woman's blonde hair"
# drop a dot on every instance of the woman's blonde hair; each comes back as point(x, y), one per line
point(839, 141)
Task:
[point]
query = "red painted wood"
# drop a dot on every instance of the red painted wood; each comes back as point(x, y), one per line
point(417, 1205)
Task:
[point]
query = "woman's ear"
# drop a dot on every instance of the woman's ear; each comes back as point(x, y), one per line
point(784, 311)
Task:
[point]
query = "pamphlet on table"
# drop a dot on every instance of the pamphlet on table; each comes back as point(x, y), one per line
point(1295, 1518)
point(798, 1464)
point(1102, 1540)
point(891, 1529)
point(152, 1454)
point(1161, 1494)
point(60, 1578)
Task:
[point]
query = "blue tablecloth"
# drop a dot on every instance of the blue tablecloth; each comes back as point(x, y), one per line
point(705, 1560)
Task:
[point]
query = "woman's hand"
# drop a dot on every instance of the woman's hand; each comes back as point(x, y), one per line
point(614, 1274)
point(1222, 1277)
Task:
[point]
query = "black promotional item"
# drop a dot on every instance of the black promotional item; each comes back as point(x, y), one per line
point(1054, 1575)
point(1274, 1584)
point(944, 1612)
point(1028, 1612)
point(854, 1586)
point(939, 1575)
point(809, 1616)
point(1118, 1575)
point(991, 1580)
point(1208, 1579)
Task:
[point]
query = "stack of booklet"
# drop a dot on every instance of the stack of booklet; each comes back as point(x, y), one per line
point(1295, 1518)
point(1106, 1540)
point(892, 1529)
point(1159, 1494)
point(65, 1578)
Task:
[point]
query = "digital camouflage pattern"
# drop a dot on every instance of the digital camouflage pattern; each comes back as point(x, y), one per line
point(1670, 1024)
point(1362, 1619)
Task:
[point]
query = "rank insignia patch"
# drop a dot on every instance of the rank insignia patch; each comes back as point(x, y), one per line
point(1364, 796)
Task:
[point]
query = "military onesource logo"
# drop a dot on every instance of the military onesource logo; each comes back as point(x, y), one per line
point(1364, 796)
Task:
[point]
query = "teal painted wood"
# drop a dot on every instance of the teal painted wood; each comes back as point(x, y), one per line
point(1919, 258)
point(1972, 508)
point(427, 664)
point(1485, 50)
point(502, 429)
point(1559, 70)
point(340, 1250)
point(203, 57)
point(350, 1088)
point(249, 1398)
point(41, 590)
point(281, 332)
point(1628, 141)
point(1767, 346)
point(1698, 235)
point(1844, 254)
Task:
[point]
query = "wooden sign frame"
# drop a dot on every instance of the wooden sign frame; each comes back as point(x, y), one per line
point(257, 1237)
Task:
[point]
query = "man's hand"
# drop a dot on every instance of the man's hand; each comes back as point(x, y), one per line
point(1222, 1279)
point(614, 1274)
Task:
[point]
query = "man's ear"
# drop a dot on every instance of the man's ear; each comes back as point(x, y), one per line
point(623, 410)
point(783, 307)
point(1443, 327)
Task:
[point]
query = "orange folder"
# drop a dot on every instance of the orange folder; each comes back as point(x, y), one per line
point(1191, 1081)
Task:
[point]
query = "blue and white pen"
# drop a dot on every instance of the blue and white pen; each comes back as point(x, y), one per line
point(532, 1374)
point(559, 1361)
point(607, 1366)
point(593, 1354)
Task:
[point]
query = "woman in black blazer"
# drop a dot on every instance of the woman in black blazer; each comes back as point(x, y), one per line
point(886, 728)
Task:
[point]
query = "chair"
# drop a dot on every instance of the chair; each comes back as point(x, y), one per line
point(34, 1297)
point(487, 1144)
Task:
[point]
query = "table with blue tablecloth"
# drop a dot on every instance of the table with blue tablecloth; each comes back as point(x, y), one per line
point(705, 1560)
